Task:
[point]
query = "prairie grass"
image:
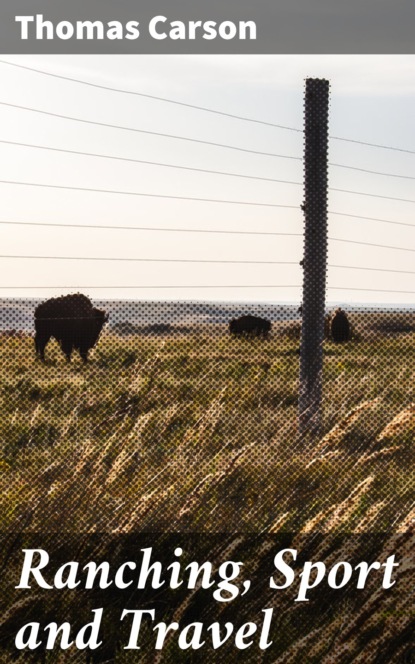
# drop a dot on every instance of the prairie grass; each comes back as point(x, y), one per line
point(198, 433)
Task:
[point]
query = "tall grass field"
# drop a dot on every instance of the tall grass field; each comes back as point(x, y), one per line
point(198, 431)
point(190, 430)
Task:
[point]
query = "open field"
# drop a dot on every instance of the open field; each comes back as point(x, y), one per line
point(198, 432)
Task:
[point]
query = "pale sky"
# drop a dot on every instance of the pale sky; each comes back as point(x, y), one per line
point(372, 100)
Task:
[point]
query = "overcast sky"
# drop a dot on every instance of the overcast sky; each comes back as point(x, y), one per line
point(372, 100)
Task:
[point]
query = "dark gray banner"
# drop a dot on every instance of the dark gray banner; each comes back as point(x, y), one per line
point(207, 27)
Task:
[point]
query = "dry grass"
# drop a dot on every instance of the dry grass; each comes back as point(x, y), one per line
point(200, 433)
point(197, 433)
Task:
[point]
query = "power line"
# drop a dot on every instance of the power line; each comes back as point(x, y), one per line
point(199, 108)
point(383, 221)
point(166, 260)
point(367, 170)
point(191, 287)
point(201, 170)
point(371, 244)
point(151, 163)
point(135, 193)
point(176, 260)
point(147, 228)
point(144, 131)
point(198, 170)
point(148, 260)
point(180, 138)
point(372, 145)
point(147, 287)
point(186, 230)
point(372, 290)
point(148, 96)
point(190, 198)
point(364, 193)
point(371, 269)
point(187, 286)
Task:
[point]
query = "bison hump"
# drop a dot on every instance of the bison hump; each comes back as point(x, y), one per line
point(65, 306)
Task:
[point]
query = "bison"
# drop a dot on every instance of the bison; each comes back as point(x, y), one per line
point(72, 321)
point(340, 327)
point(250, 326)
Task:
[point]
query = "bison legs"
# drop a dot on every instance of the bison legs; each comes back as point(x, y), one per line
point(67, 348)
point(41, 341)
point(83, 351)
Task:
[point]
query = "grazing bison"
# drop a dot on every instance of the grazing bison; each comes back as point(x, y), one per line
point(250, 326)
point(340, 327)
point(72, 321)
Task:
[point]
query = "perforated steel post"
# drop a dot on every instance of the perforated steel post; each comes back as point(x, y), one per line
point(315, 255)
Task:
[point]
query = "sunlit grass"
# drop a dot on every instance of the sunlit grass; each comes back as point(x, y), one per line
point(198, 432)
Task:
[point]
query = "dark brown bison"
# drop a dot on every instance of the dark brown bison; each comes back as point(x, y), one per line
point(340, 327)
point(250, 326)
point(72, 321)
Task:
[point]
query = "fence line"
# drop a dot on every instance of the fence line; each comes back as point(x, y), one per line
point(187, 286)
point(199, 108)
point(141, 287)
point(142, 131)
point(148, 96)
point(365, 193)
point(136, 193)
point(202, 260)
point(371, 269)
point(370, 244)
point(150, 260)
point(190, 198)
point(383, 221)
point(153, 163)
point(205, 200)
point(367, 170)
point(372, 290)
point(148, 228)
point(372, 145)
point(200, 170)
point(192, 230)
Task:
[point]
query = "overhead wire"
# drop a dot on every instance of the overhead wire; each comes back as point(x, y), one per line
point(204, 199)
point(200, 170)
point(149, 96)
point(190, 286)
point(148, 228)
point(367, 170)
point(370, 269)
point(383, 221)
point(370, 244)
point(147, 195)
point(152, 163)
point(365, 193)
point(148, 260)
point(202, 260)
point(371, 290)
point(191, 198)
point(144, 131)
point(199, 108)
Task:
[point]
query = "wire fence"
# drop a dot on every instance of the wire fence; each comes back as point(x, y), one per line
point(128, 416)
point(207, 171)
point(283, 326)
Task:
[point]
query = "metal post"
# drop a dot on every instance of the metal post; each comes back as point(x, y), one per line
point(315, 255)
